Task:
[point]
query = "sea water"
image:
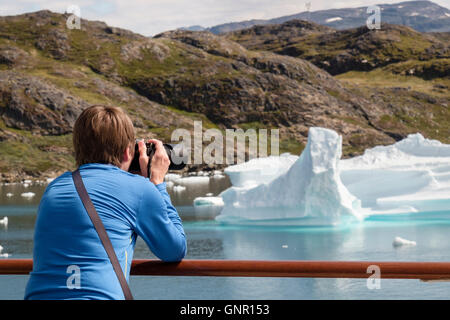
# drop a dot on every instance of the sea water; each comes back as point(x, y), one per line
point(370, 240)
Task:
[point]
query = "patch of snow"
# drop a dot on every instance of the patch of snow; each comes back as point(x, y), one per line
point(333, 19)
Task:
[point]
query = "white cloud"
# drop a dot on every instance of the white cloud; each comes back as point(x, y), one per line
point(149, 17)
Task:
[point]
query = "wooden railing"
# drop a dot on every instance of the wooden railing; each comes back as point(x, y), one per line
point(427, 271)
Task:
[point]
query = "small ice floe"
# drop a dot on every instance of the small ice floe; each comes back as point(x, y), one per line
point(28, 195)
point(208, 201)
point(26, 183)
point(179, 188)
point(398, 242)
point(9, 194)
point(172, 177)
point(284, 246)
point(4, 222)
point(207, 207)
point(192, 180)
point(169, 184)
point(3, 255)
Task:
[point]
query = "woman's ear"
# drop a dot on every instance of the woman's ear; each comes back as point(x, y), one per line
point(127, 158)
point(127, 155)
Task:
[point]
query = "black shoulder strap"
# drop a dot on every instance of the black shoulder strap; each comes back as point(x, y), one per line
point(99, 227)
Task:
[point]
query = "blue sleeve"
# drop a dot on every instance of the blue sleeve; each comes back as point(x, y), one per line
point(159, 225)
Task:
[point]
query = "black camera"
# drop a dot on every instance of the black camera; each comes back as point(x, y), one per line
point(176, 152)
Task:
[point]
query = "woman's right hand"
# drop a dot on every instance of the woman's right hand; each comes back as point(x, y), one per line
point(160, 161)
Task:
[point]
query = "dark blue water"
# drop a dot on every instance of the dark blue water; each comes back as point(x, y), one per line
point(370, 241)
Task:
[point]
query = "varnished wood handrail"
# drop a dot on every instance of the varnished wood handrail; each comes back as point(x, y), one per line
point(260, 268)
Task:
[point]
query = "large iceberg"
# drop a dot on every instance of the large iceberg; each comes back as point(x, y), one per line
point(410, 176)
point(310, 191)
point(318, 188)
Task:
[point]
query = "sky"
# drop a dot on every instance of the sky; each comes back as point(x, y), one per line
point(150, 17)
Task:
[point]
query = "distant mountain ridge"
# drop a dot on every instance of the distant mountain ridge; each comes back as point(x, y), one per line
point(423, 16)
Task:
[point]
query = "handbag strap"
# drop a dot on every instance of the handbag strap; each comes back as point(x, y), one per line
point(99, 227)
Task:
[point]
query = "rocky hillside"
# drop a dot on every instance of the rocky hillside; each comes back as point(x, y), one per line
point(339, 51)
point(405, 71)
point(49, 73)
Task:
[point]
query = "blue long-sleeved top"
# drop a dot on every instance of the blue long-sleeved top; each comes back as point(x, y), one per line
point(69, 261)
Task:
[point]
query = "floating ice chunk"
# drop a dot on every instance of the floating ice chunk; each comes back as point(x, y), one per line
point(172, 177)
point(412, 175)
point(9, 194)
point(4, 222)
point(192, 180)
point(409, 177)
point(28, 195)
point(308, 191)
point(398, 242)
point(179, 188)
point(207, 207)
point(169, 184)
point(208, 201)
point(284, 246)
point(3, 255)
point(26, 185)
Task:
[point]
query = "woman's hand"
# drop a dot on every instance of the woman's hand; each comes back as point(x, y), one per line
point(160, 161)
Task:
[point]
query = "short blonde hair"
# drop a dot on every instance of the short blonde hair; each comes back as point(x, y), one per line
point(101, 134)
